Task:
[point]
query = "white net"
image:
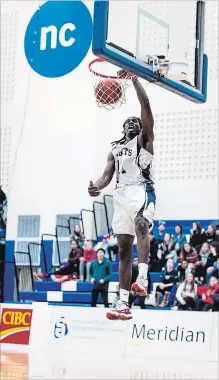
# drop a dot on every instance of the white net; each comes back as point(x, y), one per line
point(109, 84)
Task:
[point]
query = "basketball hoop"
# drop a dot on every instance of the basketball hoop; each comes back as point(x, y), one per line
point(109, 86)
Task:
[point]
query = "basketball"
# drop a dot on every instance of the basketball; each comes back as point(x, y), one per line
point(108, 91)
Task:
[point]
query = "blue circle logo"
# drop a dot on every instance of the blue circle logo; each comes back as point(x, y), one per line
point(58, 37)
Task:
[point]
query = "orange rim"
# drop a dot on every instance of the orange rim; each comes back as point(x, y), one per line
point(100, 60)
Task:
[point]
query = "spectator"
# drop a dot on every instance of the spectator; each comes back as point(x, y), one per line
point(203, 264)
point(65, 272)
point(182, 270)
point(166, 250)
point(78, 235)
point(189, 254)
point(89, 255)
point(103, 245)
point(3, 221)
point(100, 273)
point(210, 234)
point(214, 248)
point(197, 237)
point(160, 233)
point(169, 278)
point(215, 273)
point(212, 261)
point(186, 293)
point(154, 262)
point(205, 293)
point(179, 239)
point(132, 295)
point(113, 247)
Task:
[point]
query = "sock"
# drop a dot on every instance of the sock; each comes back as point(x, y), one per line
point(143, 269)
point(124, 295)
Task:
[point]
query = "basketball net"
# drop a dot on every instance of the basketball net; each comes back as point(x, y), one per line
point(109, 83)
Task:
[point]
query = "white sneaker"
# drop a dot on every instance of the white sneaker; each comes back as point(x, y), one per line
point(140, 287)
point(122, 312)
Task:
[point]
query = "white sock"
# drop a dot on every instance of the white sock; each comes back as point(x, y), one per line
point(124, 295)
point(143, 270)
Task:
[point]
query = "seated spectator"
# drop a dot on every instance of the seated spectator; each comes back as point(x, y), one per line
point(186, 293)
point(189, 254)
point(154, 262)
point(78, 235)
point(169, 278)
point(214, 248)
point(197, 237)
point(179, 239)
point(215, 273)
point(110, 245)
point(183, 270)
point(67, 272)
point(89, 255)
point(205, 293)
point(203, 263)
point(159, 233)
point(210, 234)
point(100, 273)
point(214, 255)
point(113, 247)
point(217, 234)
point(166, 250)
point(103, 245)
point(132, 295)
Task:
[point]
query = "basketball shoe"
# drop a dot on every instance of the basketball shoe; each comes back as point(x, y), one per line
point(140, 287)
point(121, 312)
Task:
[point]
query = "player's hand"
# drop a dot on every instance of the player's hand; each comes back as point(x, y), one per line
point(203, 297)
point(101, 281)
point(123, 74)
point(93, 190)
point(92, 280)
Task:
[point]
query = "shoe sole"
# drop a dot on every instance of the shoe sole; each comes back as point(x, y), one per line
point(138, 291)
point(118, 317)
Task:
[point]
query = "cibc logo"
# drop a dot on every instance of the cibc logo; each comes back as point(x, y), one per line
point(15, 326)
point(58, 37)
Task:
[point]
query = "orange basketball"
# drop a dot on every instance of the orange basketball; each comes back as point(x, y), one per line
point(108, 91)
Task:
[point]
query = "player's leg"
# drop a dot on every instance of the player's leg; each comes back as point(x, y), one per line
point(143, 251)
point(143, 225)
point(123, 227)
point(122, 310)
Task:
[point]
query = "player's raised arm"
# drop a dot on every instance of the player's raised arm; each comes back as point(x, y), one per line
point(105, 179)
point(146, 117)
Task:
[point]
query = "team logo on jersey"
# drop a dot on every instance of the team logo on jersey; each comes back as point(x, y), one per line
point(124, 152)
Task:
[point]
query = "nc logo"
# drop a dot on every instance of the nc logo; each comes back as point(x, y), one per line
point(61, 328)
point(58, 37)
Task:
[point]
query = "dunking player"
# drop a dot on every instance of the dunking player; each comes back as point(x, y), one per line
point(133, 198)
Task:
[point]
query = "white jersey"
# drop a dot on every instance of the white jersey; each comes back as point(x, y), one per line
point(133, 164)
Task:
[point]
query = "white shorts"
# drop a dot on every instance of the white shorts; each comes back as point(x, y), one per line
point(130, 202)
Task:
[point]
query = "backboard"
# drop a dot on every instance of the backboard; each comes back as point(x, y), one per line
point(160, 41)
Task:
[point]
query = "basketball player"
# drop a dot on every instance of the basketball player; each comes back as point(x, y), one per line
point(133, 198)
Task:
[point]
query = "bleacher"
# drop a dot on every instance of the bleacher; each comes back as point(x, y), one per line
point(79, 293)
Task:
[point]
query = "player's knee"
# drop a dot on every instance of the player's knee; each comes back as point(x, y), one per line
point(141, 226)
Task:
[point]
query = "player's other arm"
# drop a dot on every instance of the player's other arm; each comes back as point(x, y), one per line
point(105, 179)
point(146, 137)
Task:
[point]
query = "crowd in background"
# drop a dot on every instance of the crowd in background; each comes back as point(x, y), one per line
point(188, 266)
point(3, 221)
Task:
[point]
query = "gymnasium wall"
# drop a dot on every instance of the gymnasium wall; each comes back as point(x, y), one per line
point(55, 138)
